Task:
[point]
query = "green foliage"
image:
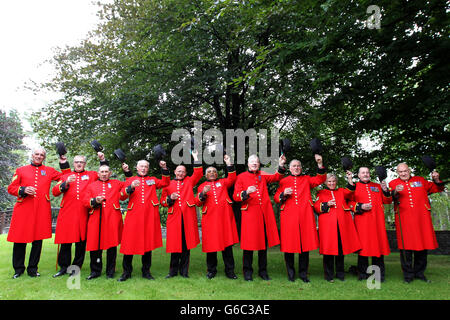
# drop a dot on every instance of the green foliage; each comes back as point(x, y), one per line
point(11, 153)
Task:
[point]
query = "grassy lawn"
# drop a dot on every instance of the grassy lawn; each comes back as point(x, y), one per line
point(197, 287)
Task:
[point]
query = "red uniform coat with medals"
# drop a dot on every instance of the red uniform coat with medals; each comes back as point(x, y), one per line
point(32, 217)
point(415, 226)
point(71, 225)
point(371, 225)
point(110, 231)
point(184, 207)
point(218, 224)
point(298, 230)
point(142, 227)
point(330, 218)
point(257, 213)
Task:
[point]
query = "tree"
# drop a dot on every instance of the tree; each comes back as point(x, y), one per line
point(10, 157)
point(310, 68)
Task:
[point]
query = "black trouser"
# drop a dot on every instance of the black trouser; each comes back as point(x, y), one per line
point(303, 263)
point(228, 260)
point(18, 258)
point(416, 269)
point(179, 261)
point(247, 258)
point(65, 255)
point(146, 259)
point(329, 261)
point(96, 261)
point(363, 264)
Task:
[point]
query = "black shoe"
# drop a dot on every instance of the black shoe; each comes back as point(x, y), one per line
point(184, 275)
point(265, 276)
point(110, 275)
point(305, 280)
point(93, 275)
point(210, 275)
point(408, 280)
point(60, 273)
point(423, 278)
point(16, 275)
point(231, 275)
point(330, 280)
point(171, 275)
point(248, 277)
point(124, 277)
point(363, 276)
point(34, 274)
point(148, 276)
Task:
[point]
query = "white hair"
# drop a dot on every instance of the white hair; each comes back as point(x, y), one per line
point(294, 160)
point(143, 161)
point(253, 156)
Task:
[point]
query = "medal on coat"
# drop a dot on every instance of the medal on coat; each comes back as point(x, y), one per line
point(416, 184)
point(150, 182)
point(218, 184)
point(42, 172)
point(109, 185)
point(85, 177)
point(374, 189)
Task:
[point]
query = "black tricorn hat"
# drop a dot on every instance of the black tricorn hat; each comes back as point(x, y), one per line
point(96, 145)
point(381, 172)
point(285, 146)
point(120, 155)
point(159, 152)
point(429, 162)
point(60, 148)
point(316, 146)
point(347, 164)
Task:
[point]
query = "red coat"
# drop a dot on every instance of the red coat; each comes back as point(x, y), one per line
point(257, 212)
point(218, 224)
point(370, 225)
point(183, 207)
point(72, 220)
point(415, 226)
point(297, 220)
point(32, 217)
point(142, 227)
point(111, 220)
point(330, 218)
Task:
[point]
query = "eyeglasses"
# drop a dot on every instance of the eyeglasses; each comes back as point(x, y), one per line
point(79, 162)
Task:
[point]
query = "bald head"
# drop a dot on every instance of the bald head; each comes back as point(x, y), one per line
point(403, 171)
point(180, 172)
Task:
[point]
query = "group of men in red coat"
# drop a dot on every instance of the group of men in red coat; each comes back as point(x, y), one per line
point(91, 217)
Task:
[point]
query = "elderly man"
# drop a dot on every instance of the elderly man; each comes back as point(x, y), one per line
point(104, 229)
point(415, 233)
point(258, 226)
point(219, 231)
point(298, 230)
point(73, 217)
point(367, 205)
point(142, 226)
point(32, 219)
point(182, 223)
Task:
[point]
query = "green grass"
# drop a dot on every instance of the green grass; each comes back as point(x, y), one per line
point(219, 288)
